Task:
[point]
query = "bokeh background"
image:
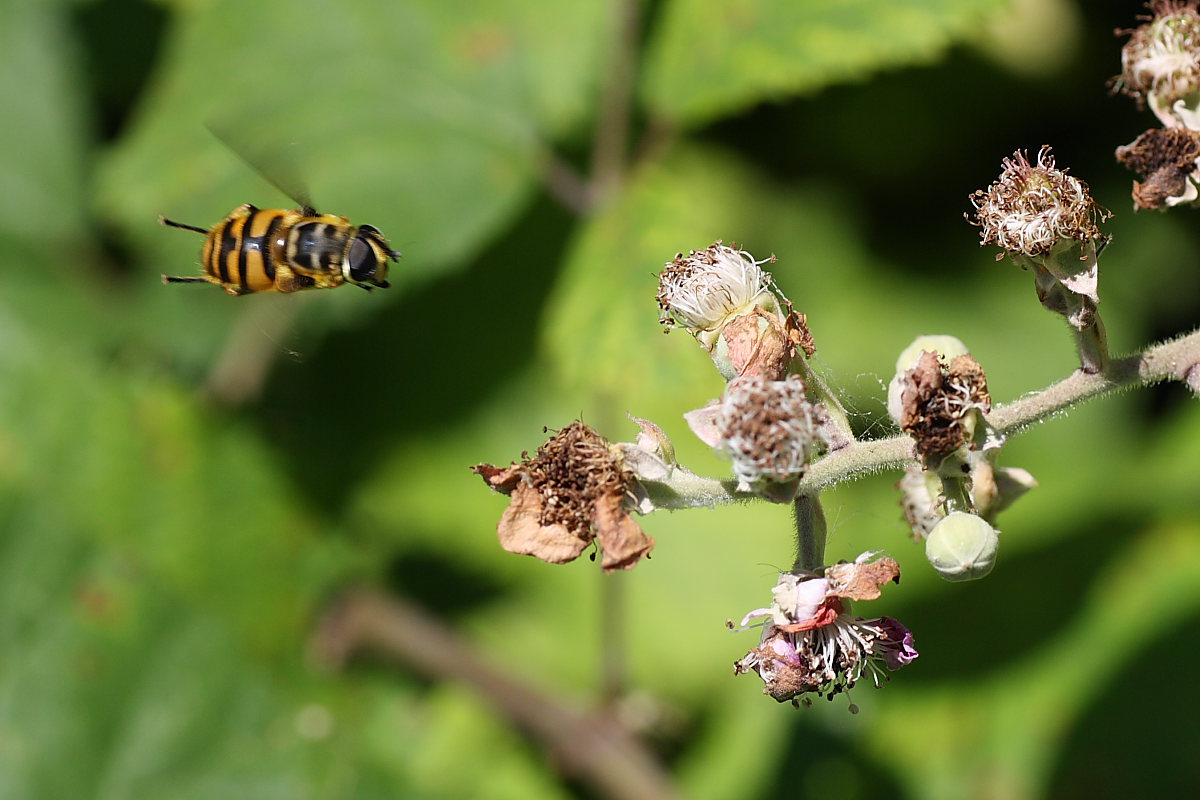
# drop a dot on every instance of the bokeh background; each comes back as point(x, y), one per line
point(189, 481)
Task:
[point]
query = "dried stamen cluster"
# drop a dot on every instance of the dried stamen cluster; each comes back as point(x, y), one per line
point(938, 404)
point(575, 489)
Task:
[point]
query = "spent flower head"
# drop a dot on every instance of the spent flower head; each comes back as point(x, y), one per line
point(1160, 64)
point(944, 346)
point(705, 289)
point(1033, 207)
point(722, 296)
point(1168, 159)
point(769, 430)
point(576, 489)
point(942, 406)
point(810, 642)
point(1047, 222)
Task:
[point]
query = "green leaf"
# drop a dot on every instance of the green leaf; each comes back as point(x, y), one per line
point(45, 132)
point(713, 57)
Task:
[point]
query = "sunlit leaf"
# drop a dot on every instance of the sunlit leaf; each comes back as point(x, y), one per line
point(711, 57)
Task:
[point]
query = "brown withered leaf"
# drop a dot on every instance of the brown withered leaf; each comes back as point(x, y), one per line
point(935, 429)
point(856, 581)
point(762, 344)
point(502, 479)
point(759, 349)
point(572, 491)
point(798, 332)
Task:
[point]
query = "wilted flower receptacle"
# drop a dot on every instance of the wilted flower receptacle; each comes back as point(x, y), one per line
point(810, 642)
point(1169, 161)
point(769, 430)
point(575, 489)
point(1160, 63)
point(942, 406)
point(944, 346)
point(723, 297)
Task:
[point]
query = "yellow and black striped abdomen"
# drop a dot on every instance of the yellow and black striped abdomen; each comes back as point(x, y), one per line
point(243, 251)
point(262, 250)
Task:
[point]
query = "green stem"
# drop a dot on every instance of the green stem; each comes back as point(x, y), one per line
point(811, 532)
point(954, 490)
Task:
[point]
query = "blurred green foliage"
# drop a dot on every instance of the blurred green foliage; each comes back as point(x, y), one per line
point(165, 556)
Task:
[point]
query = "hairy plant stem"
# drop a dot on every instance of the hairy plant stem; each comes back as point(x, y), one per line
point(1178, 359)
point(811, 532)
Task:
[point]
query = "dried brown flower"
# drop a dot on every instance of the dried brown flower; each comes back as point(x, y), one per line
point(1166, 158)
point(573, 491)
point(937, 403)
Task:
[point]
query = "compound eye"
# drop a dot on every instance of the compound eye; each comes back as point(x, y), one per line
point(363, 263)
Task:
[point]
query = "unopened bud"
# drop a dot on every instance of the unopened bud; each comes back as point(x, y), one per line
point(962, 547)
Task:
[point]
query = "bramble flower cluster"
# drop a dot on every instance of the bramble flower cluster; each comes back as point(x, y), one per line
point(787, 437)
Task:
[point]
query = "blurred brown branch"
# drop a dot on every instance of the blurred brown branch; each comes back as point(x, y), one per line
point(597, 750)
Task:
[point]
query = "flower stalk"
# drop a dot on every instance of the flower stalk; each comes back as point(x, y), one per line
point(811, 532)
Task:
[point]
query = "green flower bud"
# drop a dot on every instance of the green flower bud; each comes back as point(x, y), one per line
point(962, 547)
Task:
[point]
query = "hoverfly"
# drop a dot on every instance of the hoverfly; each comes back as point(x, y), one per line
point(288, 250)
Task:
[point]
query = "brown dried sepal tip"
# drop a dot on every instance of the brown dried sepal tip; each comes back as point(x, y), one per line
point(935, 400)
point(1165, 157)
point(766, 350)
point(861, 581)
point(571, 492)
